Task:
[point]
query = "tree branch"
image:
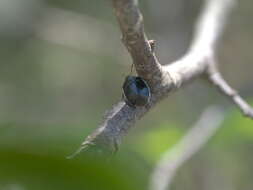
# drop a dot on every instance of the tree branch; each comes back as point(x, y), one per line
point(224, 88)
point(130, 20)
point(197, 62)
point(191, 143)
point(210, 24)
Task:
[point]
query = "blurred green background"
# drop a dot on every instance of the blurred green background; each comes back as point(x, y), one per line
point(62, 65)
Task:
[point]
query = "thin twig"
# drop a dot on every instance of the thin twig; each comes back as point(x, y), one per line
point(233, 95)
point(191, 143)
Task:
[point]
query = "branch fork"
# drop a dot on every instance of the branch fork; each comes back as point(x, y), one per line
point(198, 61)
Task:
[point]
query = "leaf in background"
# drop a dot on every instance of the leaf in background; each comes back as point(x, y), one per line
point(154, 142)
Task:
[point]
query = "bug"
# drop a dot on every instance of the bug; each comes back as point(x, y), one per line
point(136, 91)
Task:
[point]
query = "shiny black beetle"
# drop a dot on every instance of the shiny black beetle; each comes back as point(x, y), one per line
point(136, 91)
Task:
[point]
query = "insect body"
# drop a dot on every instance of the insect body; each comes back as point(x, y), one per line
point(136, 91)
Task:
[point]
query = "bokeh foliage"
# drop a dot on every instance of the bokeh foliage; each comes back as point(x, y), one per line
point(54, 93)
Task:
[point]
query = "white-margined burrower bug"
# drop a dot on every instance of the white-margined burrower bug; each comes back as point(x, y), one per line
point(136, 91)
